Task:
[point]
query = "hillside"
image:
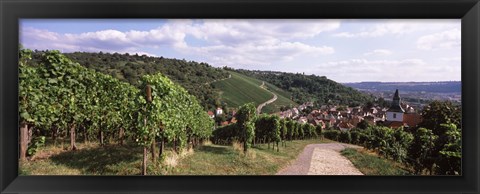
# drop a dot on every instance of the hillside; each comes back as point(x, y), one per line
point(191, 75)
point(416, 93)
point(241, 89)
point(283, 100)
point(314, 88)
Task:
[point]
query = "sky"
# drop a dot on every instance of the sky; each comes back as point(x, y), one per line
point(342, 50)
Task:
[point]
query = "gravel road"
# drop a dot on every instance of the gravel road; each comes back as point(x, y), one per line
point(259, 108)
point(322, 159)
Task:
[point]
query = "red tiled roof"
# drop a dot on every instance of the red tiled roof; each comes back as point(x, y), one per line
point(224, 123)
point(210, 113)
point(345, 125)
point(412, 120)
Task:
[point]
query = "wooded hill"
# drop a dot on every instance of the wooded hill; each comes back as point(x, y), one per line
point(314, 88)
point(196, 77)
point(191, 75)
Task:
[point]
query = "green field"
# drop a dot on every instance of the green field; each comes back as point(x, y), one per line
point(241, 89)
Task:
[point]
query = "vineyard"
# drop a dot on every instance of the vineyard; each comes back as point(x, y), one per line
point(423, 150)
point(267, 129)
point(60, 98)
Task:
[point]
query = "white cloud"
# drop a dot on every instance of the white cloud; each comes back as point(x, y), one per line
point(249, 54)
point(257, 42)
point(238, 31)
point(442, 40)
point(355, 70)
point(378, 52)
point(236, 41)
point(451, 59)
point(397, 27)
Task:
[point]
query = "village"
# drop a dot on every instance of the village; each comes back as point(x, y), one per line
point(339, 117)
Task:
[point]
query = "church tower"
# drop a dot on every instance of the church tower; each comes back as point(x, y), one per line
point(395, 112)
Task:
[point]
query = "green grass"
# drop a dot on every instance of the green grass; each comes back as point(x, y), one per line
point(89, 159)
point(372, 164)
point(93, 159)
point(241, 89)
point(225, 160)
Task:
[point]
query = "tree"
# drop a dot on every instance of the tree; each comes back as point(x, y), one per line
point(450, 151)
point(421, 151)
point(363, 124)
point(246, 117)
point(439, 112)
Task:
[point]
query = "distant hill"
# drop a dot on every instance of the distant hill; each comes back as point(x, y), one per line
point(429, 87)
point(304, 88)
point(241, 89)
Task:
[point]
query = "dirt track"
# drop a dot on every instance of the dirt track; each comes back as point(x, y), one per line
point(322, 159)
point(259, 108)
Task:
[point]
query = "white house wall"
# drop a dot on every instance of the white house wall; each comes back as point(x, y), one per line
point(398, 118)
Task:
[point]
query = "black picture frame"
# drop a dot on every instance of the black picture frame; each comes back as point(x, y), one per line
point(12, 10)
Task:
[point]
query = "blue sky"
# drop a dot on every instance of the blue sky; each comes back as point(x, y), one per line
point(342, 50)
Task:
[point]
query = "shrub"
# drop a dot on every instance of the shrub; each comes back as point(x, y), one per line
point(37, 142)
point(345, 137)
point(331, 134)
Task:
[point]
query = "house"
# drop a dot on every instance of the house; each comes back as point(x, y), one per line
point(310, 117)
point(302, 107)
point(210, 114)
point(356, 111)
point(302, 120)
point(295, 112)
point(412, 119)
point(410, 110)
point(370, 119)
point(309, 104)
point(224, 123)
point(345, 126)
point(355, 120)
point(219, 111)
point(319, 122)
point(233, 120)
point(286, 114)
point(330, 120)
point(333, 111)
